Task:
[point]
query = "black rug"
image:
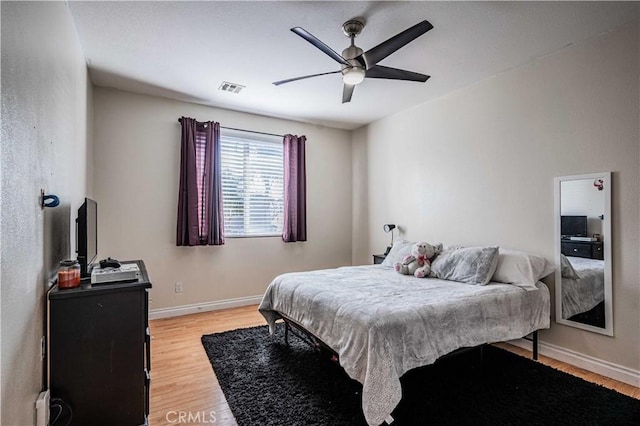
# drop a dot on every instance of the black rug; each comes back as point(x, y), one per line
point(268, 383)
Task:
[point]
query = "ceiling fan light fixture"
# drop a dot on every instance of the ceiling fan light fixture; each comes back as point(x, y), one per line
point(353, 75)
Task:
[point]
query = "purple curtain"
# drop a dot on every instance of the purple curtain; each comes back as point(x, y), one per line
point(295, 189)
point(200, 219)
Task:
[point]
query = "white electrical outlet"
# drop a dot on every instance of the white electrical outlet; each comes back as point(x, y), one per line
point(179, 287)
point(42, 408)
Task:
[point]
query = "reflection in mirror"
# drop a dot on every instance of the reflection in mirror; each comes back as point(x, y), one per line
point(583, 247)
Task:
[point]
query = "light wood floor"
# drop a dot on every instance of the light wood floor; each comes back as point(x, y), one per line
point(183, 382)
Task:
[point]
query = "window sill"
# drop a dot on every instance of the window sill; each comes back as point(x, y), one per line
point(253, 236)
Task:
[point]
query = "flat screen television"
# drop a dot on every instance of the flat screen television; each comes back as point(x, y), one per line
point(87, 235)
point(573, 226)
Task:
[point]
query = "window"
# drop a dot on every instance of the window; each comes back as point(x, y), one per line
point(252, 184)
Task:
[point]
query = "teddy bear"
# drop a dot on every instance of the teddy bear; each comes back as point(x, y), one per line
point(418, 263)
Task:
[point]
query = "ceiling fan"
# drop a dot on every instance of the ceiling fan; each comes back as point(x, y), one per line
point(357, 65)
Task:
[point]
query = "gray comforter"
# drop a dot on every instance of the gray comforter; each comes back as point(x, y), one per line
point(586, 292)
point(383, 324)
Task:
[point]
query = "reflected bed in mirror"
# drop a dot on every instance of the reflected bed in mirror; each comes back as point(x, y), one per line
point(583, 251)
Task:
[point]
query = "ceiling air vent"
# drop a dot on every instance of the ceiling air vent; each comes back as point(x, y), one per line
point(230, 87)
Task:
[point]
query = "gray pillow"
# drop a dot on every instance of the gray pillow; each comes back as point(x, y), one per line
point(472, 265)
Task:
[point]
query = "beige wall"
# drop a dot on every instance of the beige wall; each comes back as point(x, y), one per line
point(45, 142)
point(137, 159)
point(476, 167)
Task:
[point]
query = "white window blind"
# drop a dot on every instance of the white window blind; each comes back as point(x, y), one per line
point(252, 184)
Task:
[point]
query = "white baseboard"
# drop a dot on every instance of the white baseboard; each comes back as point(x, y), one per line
point(195, 308)
point(595, 365)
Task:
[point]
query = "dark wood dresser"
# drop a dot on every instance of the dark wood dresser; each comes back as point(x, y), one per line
point(99, 350)
point(589, 249)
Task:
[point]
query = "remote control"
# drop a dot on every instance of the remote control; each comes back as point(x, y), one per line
point(109, 263)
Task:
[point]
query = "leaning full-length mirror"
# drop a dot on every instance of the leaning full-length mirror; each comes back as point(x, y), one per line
point(583, 252)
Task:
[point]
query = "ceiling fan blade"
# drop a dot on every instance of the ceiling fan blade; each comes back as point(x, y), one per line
point(379, 71)
point(320, 45)
point(289, 80)
point(386, 48)
point(347, 92)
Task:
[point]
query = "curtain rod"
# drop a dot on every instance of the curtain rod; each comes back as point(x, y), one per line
point(243, 130)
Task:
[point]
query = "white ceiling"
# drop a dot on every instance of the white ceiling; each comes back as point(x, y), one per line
point(184, 50)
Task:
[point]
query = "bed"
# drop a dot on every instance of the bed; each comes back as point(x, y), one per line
point(582, 285)
point(382, 324)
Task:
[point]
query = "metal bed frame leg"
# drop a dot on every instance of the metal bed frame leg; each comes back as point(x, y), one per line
point(534, 344)
point(286, 333)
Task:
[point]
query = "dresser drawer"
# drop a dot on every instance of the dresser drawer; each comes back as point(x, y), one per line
point(576, 249)
point(597, 252)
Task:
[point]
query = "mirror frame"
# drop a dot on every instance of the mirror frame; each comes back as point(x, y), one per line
point(606, 244)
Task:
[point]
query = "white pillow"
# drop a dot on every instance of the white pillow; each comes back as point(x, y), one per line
point(472, 265)
point(398, 251)
point(521, 269)
point(567, 268)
